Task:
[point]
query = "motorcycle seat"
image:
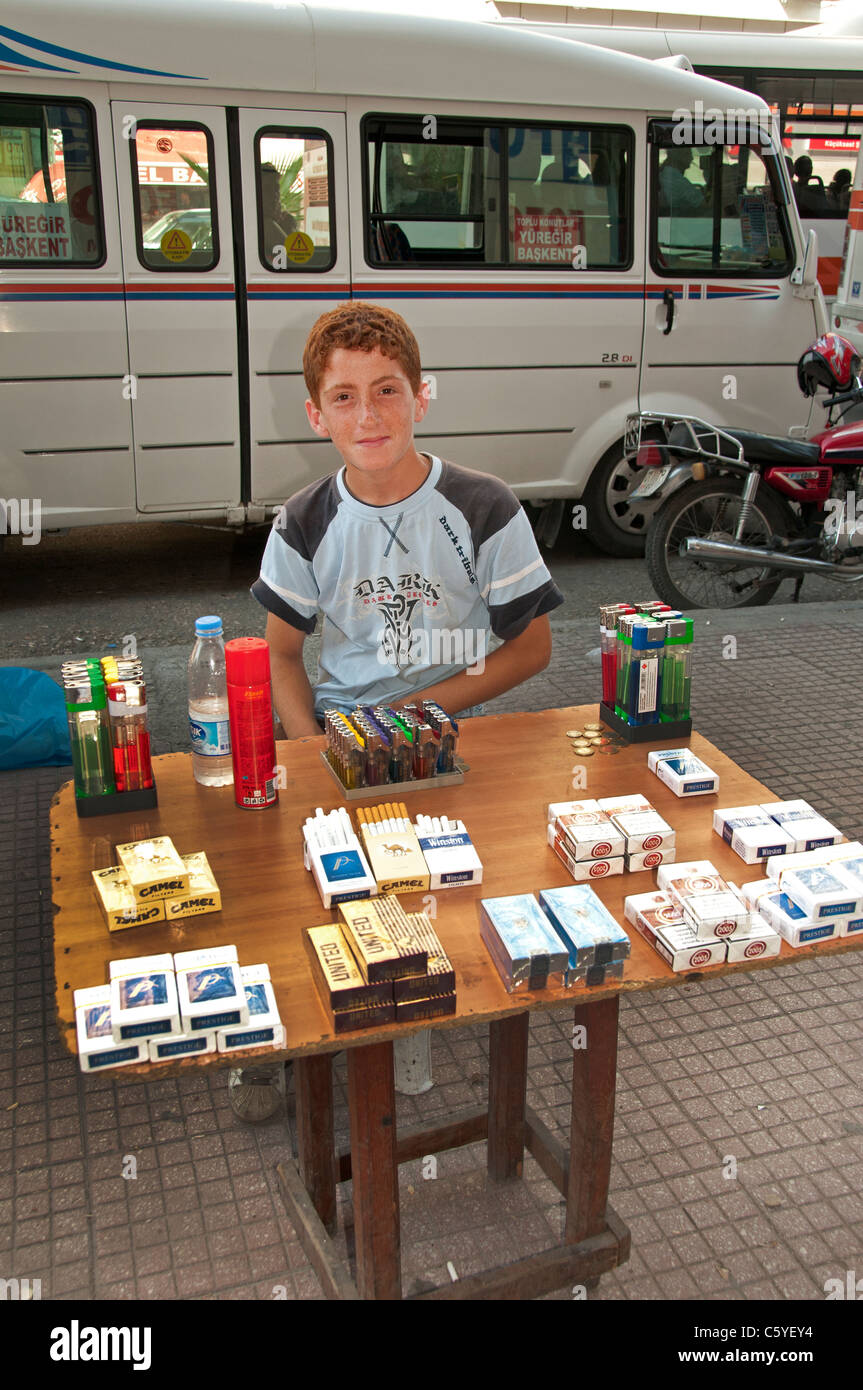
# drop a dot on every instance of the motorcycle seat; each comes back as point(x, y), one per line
point(770, 448)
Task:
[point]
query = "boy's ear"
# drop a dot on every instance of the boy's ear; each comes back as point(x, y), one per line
point(316, 420)
point(422, 400)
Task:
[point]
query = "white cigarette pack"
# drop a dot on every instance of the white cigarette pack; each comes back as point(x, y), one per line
point(341, 874)
point(680, 770)
point(754, 891)
point(260, 998)
point(792, 923)
point(650, 859)
point(760, 941)
point(144, 1000)
point(451, 858)
point(210, 989)
point(659, 919)
point(181, 1045)
point(803, 824)
point(582, 870)
point(97, 1050)
point(589, 832)
point(800, 860)
point(641, 825)
point(752, 833)
point(263, 1035)
point(823, 891)
point(708, 904)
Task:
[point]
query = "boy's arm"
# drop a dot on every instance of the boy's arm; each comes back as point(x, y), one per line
point(292, 692)
point(514, 661)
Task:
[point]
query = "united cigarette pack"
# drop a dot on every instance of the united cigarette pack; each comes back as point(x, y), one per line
point(804, 825)
point(792, 923)
point(451, 859)
point(153, 868)
point(382, 950)
point(341, 874)
point(586, 928)
point(439, 979)
point(97, 1050)
point(823, 891)
point(520, 940)
point(337, 975)
point(118, 903)
point(181, 1045)
point(680, 770)
point(708, 904)
point(751, 833)
point(396, 860)
point(264, 1026)
point(411, 1010)
point(144, 1000)
point(642, 826)
point(659, 919)
point(589, 833)
point(582, 870)
point(203, 894)
point(210, 988)
point(650, 859)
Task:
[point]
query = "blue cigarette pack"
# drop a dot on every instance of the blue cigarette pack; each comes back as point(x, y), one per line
point(593, 938)
point(529, 955)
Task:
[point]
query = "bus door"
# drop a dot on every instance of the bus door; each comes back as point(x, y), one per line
point(723, 325)
point(298, 265)
point(175, 221)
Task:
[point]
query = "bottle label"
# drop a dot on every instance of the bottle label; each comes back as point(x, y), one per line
point(211, 738)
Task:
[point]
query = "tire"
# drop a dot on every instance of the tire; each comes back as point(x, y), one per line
point(615, 526)
point(711, 509)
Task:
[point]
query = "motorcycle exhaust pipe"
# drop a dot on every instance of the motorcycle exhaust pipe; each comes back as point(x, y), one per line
point(720, 552)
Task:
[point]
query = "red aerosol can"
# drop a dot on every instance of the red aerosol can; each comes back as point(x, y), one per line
point(250, 710)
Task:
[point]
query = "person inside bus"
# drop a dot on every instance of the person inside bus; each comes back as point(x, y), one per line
point(678, 194)
point(276, 222)
point(839, 191)
point(808, 189)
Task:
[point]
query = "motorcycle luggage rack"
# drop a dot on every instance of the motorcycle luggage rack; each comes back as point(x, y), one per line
point(637, 425)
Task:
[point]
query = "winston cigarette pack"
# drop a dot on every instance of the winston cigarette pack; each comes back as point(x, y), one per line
point(709, 905)
point(587, 929)
point(181, 1045)
point(97, 1049)
point(203, 893)
point(144, 1000)
point(582, 870)
point(659, 919)
point(680, 770)
point(450, 856)
point(751, 833)
point(804, 825)
point(380, 949)
point(210, 989)
point(528, 953)
point(264, 1028)
point(153, 868)
point(643, 827)
point(589, 833)
point(119, 906)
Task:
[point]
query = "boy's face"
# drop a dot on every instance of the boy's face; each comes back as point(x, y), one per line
point(368, 409)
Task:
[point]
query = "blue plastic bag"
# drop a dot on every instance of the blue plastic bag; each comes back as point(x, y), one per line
point(33, 727)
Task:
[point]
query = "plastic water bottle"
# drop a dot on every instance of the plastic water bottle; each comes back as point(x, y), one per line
point(208, 706)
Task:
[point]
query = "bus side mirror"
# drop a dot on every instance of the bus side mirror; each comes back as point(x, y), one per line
point(807, 273)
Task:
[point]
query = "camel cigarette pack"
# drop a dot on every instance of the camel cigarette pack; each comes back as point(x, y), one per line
point(97, 1050)
point(803, 824)
point(660, 920)
point(792, 923)
point(154, 869)
point(210, 988)
point(589, 833)
point(382, 948)
point(119, 906)
point(264, 1027)
point(144, 1001)
point(396, 860)
point(680, 770)
point(823, 891)
point(181, 1045)
point(582, 870)
point(592, 937)
point(451, 859)
point(641, 825)
point(526, 950)
point(337, 975)
point(439, 977)
point(709, 905)
point(751, 833)
point(203, 893)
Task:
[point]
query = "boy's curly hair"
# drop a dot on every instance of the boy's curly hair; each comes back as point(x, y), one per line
point(361, 327)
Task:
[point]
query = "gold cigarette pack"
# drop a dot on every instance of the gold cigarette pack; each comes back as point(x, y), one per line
point(337, 976)
point(154, 869)
point(203, 893)
point(439, 978)
point(410, 1010)
point(117, 901)
point(396, 860)
point(383, 949)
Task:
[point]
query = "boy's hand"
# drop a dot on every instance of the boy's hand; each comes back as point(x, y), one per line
point(292, 692)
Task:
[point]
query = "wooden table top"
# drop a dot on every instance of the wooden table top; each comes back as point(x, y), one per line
point(518, 763)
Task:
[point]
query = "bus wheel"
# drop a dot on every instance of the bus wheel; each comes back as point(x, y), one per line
point(613, 523)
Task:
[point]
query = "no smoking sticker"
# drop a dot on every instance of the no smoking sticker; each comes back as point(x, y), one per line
point(299, 247)
point(176, 245)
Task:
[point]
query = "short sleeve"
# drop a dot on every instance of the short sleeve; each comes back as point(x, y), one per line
point(514, 581)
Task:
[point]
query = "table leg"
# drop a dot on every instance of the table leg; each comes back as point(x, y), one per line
point(507, 1092)
point(374, 1169)
point(313, 1081)
point(594, 1073)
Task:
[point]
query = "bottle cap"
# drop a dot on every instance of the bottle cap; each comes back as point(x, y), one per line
point(209, 626)
point(247, 661)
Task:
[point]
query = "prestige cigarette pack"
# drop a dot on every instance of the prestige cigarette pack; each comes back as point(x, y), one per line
point(680, 770)
point(823, 891)
point(589, 833)
point(593, 939)
point(660, 920)
point(752, 833)
point(210, 989)
point(792, 923)
point(805, 826)
point(97, 1050)
point(708, 903)
point(181, 1045)
point(144, 999)
point(120, 908)
point(528, 953)
point(582, 870)
point(264, 1027)
point(154, 869)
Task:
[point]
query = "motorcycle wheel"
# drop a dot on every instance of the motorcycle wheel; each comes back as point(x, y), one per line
point(710, 510)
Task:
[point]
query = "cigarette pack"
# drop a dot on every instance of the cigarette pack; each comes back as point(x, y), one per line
point(759, 941)
point(153, 868)
point(260, 997)
point(589, 833)
point(600, 974)
point(337, 975)
point(852, 865)
point(253, 1035)
point(791, 921)
point(181, 1045)
point(805, 859)
point(651, 859)
point(396, 860)
point(341, 874)
point(680, 770)
point(660, 921)
point(751, 833)
point(367, 1016)
point(753, 891)
point(438, 1006)
point(450, 858)
point(805, 826)
point(709, 905)
point(643, 827)
point(97, 1049)
point(586, 928)
point(383, 947)
point(520, 940)
point(582, 870)
point(823, 891)
point(144, 1000)
point(210, 988)
point(118, 903)
point(203, 895)
point(439, 978)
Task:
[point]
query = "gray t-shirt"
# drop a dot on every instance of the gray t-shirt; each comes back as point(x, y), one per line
point(409, 592)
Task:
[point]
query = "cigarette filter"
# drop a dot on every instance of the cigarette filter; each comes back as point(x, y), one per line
point(154, 869)
point(118, 903)
point(680, 770)
point(582, 870)
point(203, 894)
point(378, 955)
point(181, 1045)
point(337, 975)
point(805, 826)
point(97, 1050)
point(144, 1000)
point(210, 989)
point(520, 940)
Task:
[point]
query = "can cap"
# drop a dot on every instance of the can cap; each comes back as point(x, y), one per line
point(247, 661)
point(208, 626)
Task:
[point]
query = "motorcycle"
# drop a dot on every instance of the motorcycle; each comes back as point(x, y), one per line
point(740, 511)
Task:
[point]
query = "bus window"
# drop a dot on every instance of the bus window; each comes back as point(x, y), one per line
point(50, 208)
point(715, 212)
point(569, 197)
point(175, 201)
point(434, 197)
point(294, 194)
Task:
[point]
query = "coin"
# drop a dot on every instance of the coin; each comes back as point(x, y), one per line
point(587, 752)
point(588, 728)
point(573, 733)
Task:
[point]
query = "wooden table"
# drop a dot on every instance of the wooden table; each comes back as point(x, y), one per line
point(518, 764)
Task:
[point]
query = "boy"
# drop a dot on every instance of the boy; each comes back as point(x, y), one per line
point(411, 561)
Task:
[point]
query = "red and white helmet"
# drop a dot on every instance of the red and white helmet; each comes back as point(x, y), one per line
point(831, 362)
